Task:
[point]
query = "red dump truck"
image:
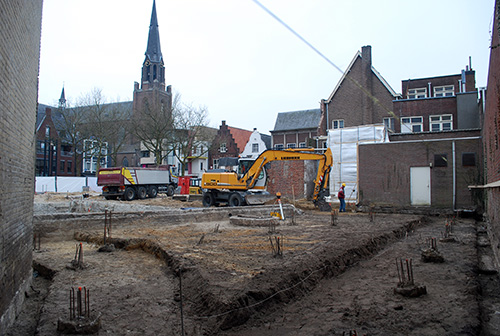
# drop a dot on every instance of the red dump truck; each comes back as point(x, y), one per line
point(136, 183)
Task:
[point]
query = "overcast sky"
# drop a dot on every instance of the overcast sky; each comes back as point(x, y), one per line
point(243, 65)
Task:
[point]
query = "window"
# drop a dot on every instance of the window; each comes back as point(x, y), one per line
point(291, 145)
point(417, 93)
point(336, 124)
point(278, 146)
point(441, 122)
point(40, 146)
point(389, 124)
point(69, 167)
point(468, 159)
point(216, 164)
point(255, 148)
point(444, 91)
point(223, 148)
point(61, 166)
point(302, 145)
point(145, 153)
point(440, 160)
point(201, 166)
point(411, 125)
point(47, 131)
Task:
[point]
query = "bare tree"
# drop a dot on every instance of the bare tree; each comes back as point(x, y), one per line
point(104, 127)
point(70, 127)
point(153, 126)
point(192, 136)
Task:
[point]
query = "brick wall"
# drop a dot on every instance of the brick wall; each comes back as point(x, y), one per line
point(384, 181)
point(424, 108)
point(20, 27)
point(355, 105)
point(286, 177)
point(492, 134)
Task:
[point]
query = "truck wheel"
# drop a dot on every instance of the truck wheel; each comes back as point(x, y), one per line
point(153, 192)
point(129, 194)
point(208, 199)
point(170, 190)
point(235, 200)
point(142, 193)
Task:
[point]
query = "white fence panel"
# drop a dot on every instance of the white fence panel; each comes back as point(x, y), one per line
point(65, 184)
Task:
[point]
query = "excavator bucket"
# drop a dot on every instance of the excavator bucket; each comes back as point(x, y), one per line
point(259, 199)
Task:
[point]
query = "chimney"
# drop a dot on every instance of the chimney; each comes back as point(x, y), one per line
point(366, 54)
point(48, 112)
point(223, 123)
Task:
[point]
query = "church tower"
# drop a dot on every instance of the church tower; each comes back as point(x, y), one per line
point(152, 87)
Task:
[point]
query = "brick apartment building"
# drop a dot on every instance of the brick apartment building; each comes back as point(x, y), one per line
point(436, 138)
point(20, 32)
point(54, 154)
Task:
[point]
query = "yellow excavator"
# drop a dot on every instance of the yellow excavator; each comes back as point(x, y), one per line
point(247, 186)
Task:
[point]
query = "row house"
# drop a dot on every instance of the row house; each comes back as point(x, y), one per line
point(229, 142)
point(295, 129)
point(54, 154)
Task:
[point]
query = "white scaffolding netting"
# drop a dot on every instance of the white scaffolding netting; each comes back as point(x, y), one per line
point(343, 143)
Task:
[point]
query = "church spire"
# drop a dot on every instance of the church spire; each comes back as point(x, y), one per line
point(153, 51)
point(153, 71)
point(62, 100)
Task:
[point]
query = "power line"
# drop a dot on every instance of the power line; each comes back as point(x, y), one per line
point(374, 99)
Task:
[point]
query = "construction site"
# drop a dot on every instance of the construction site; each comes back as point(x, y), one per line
point(166, 267)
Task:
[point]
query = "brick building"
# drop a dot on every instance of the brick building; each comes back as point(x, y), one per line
point(361, 97)
point(295, 129)
point(437, 104)
point(20, 32)
point(54, 154)
point(229, 142)
point(435, 135)
point(491, 134)
point(430, 172)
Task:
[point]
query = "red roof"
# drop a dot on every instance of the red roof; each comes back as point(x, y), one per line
point(240, 136)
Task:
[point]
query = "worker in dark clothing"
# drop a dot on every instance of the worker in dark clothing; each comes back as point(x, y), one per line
point(341, 195)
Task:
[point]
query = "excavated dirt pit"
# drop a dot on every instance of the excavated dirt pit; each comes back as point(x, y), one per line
point(324, 279)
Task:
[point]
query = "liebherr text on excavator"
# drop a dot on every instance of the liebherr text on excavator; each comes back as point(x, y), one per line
point(243, 188)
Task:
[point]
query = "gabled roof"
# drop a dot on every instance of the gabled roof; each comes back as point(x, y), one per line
point(240, 136)
point(267, 140)
point(296, 120)
point(375, 72)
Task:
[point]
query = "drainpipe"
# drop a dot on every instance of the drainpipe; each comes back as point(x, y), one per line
point(327, 121)
point(454, 176)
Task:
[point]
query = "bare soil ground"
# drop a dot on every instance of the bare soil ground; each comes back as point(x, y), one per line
point(329, 280)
